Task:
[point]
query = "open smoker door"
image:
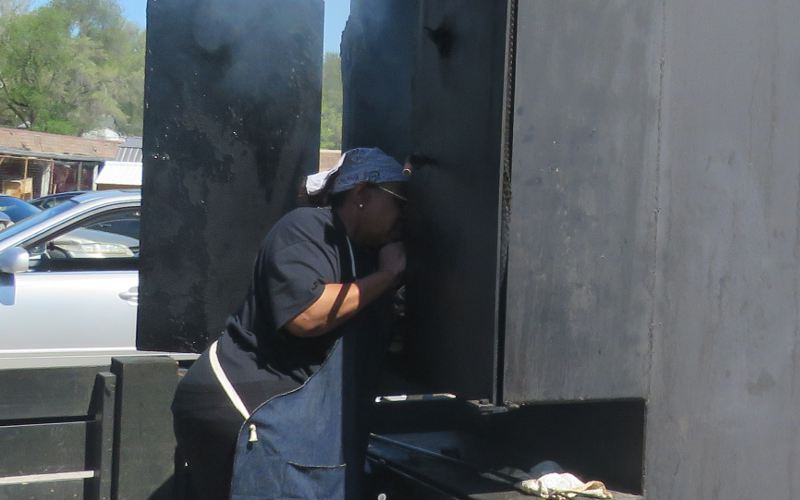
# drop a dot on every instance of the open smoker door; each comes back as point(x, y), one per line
point(436, 74)
point(447, 71)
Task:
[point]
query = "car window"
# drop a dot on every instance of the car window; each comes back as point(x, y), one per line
point(34, 220)
point(17, 209)
point(106, 242)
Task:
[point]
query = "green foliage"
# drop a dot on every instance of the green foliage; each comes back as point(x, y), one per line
point(12, 7)
point(331, 127)
point(72, 66)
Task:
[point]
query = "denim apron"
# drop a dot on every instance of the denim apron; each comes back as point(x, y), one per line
point(293, 445)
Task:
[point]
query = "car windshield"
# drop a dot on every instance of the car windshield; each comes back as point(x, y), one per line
point(36, 219)
point(16, 209)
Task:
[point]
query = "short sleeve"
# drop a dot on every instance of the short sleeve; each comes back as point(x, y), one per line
point(296, 276)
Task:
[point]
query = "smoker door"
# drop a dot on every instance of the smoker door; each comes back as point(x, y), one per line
point(582, 232)
point(429, 77)
point(457, 115)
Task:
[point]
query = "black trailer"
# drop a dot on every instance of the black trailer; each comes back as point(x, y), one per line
point(610, 274)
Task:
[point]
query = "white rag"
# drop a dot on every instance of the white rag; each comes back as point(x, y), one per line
point(563, 486)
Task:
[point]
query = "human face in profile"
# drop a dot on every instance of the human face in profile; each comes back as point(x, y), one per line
point(384, 210)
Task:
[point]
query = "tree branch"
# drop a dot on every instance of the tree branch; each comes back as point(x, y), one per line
point(11, 104)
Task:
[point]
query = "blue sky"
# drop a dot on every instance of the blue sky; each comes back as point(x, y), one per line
point(336, 12)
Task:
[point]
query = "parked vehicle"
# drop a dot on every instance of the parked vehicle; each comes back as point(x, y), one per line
point(69, 277)
point(51, 200)
point(16, 209)
point(5, 221)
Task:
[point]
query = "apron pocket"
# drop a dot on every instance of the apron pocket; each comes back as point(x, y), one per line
point(262, 479)
point(313, 481)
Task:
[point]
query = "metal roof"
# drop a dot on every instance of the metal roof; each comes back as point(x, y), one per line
point(31, 144)
point(35, 155)
point(130, 150)
point(120, 173)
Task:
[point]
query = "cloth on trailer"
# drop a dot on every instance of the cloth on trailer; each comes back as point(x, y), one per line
point(563, 486)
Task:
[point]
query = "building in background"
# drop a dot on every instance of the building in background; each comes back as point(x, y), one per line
point(328, 158)
point(34, 164)
point(119, 175)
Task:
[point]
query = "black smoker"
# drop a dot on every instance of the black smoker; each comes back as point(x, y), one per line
point(610, 269)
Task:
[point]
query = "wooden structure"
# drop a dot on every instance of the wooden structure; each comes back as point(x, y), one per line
point(34, 164)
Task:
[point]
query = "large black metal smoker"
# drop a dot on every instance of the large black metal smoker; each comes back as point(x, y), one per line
point(604, 254)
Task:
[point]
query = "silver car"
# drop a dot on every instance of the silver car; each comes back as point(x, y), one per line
point(69, 278)
point(5, 221)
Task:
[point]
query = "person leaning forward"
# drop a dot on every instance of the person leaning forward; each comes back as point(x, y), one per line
point(274, 407)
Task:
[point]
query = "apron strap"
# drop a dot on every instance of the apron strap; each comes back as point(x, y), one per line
point(229, 390)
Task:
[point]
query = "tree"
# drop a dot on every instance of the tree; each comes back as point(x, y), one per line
point(71, 66)
point(12, 7)
point(331, 126)
point(120, 61)
point(40, 70)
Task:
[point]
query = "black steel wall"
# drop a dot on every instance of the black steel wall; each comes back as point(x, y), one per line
point(653, 248)
point(723, 391)
point(435, 86)
point(584, 202)
point(654, 238)
point(232, 112)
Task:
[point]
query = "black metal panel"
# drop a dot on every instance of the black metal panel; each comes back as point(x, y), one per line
point(144, 444)
point(100, 442)
point(232, 116)
point(42, 448)
point(46, 393)
point(56, 490)
point(582, 231)
point(602, 441)
point(45, 442)
point(378, 55)
point(453, 245)
point(723, 413)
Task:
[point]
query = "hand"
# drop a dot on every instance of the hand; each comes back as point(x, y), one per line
point(392, 259)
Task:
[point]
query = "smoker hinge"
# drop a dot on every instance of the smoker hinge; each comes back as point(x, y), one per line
point(485, 407)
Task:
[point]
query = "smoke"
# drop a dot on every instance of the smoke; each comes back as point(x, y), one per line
point(378, 50)
point(266, 49)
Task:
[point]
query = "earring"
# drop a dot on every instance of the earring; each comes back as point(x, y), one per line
point(360, 205)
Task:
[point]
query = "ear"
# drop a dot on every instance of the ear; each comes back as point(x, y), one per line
point(361, 194)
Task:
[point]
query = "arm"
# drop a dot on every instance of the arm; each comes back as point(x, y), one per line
point(341, 301)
